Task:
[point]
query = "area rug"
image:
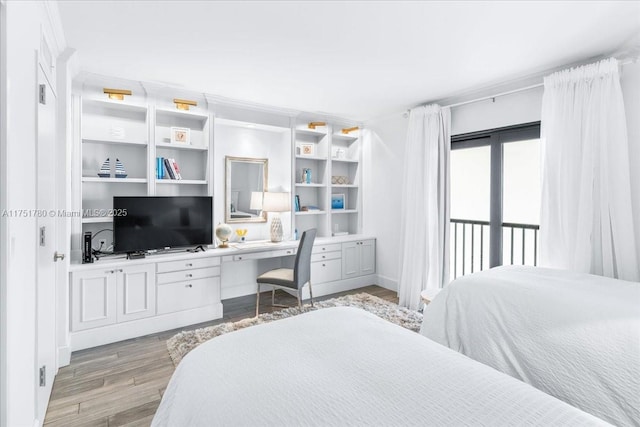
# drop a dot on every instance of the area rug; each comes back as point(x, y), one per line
point(182, 343)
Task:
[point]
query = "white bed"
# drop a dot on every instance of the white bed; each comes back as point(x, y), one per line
point(573, 336)
point(344, 366)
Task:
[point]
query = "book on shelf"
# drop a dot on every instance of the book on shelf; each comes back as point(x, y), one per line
point(172, 168)
point(176, 169)
point(159, 168)
point(309, 208)
point(297, 203)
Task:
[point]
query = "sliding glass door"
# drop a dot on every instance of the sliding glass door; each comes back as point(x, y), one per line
point(495, 198)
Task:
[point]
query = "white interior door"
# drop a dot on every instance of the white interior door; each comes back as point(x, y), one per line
point(46, 222)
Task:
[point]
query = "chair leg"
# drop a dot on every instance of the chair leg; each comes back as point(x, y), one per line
point(310, 293)
point(273, 295)
point(258, 300)
point(299, 299)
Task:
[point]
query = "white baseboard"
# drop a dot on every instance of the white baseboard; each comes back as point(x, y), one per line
point(387, 283)
point(64, 356)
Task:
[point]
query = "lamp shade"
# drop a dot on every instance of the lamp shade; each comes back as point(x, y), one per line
point(276, 202)
point(256, 201)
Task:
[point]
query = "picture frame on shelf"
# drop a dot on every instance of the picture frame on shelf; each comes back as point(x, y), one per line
point(307, 149)
point(338, 201)
point(180, 135)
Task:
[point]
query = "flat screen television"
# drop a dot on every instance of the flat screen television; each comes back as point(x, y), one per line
point(149, 223)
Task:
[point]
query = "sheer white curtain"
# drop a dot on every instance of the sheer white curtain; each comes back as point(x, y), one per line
point(424, 254)
point(586, 223)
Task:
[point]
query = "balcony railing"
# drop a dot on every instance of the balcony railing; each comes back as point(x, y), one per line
point(470, 245)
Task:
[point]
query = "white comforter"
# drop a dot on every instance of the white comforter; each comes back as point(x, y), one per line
point(574, 336)
point(344, 366)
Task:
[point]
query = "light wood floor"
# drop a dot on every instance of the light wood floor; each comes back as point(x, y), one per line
point(122, 383)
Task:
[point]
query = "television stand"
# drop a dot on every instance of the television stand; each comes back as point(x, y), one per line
point(136, 255)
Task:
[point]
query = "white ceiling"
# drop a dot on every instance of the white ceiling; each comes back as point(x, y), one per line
point(355, 59)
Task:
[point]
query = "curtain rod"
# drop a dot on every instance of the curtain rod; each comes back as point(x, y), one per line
point(522, 89)
point(509, 92)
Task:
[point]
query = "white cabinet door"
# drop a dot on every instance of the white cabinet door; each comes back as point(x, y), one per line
point(367, 257)
point(136, 292)
point(93, 299)
point(358, 258)
point(350, 260)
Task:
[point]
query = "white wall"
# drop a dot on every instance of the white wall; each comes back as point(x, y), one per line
point(383, 179)
point(517, 108)
point(383, 145)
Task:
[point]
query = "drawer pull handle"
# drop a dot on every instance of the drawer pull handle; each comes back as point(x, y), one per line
point(323, 256)
point(324, 249)
point(239, 257)
point(189, 265)
point(188, 286)
point(324, 265)
point(288, 252)
point(109, 272)
point(189, 275)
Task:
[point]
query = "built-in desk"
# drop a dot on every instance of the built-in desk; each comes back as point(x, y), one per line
point(115, 298)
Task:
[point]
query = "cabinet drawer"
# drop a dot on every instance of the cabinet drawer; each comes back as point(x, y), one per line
point(318, 249)
point(326, 256)
point(326, 271)
point(197, 273)
point(185, 295)
point(284, 252)
point(186, 264)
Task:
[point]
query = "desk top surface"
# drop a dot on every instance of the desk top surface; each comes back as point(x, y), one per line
point(233, 249)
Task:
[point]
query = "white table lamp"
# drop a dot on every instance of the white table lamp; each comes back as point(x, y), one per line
point(276, 202)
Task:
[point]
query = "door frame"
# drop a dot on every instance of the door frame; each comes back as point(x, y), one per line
point(4, 238)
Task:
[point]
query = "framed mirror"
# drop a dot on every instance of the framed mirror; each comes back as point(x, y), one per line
point(246, 180)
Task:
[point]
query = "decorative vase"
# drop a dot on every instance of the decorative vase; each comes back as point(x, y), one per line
point(277, 234)
point(223, 233)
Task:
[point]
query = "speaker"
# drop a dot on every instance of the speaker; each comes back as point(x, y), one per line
point(87, 257)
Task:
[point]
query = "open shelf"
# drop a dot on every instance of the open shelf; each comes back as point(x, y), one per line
point(344, 160)
point(313, 212)
point(343, 211)
point(113, 141)
point(302, 185)
point(182, 114)
point(97, 220)
point(182, 181)
point(114, 180)
point(301, 157)
point(114, 105)
point(344, 137)
point(310, 132)
point(174, 146)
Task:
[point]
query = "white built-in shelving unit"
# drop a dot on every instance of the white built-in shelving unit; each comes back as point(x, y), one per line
point(137, 130)
point(333, 154)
